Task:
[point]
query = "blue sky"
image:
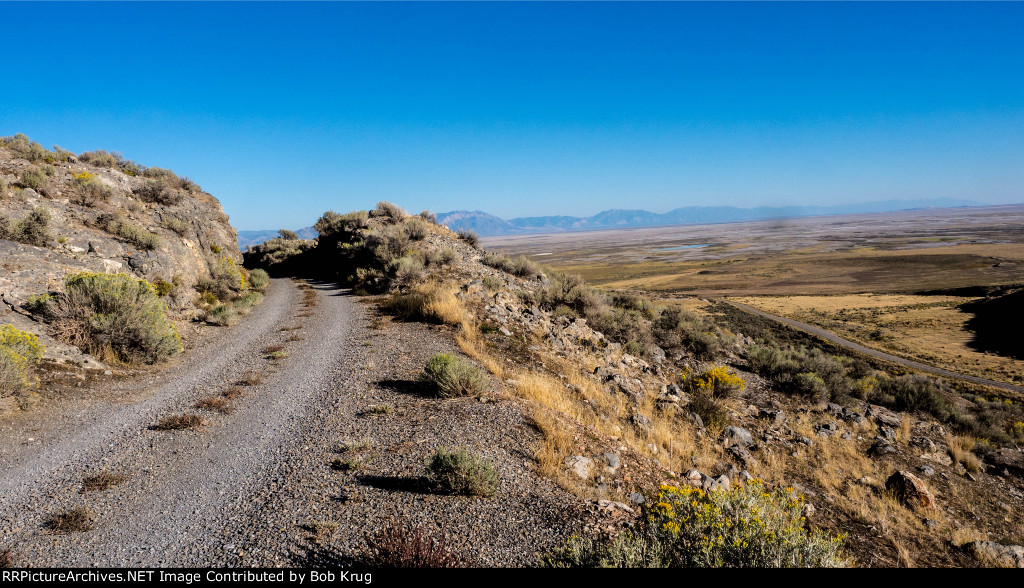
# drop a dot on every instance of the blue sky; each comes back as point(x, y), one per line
point(285, 110)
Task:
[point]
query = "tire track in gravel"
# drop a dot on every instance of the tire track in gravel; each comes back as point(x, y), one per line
point(184, 485)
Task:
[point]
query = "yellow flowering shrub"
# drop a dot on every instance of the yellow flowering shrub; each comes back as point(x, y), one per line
point(18, 350)
point(83, 178)
point(716, 382)
point(748, 526)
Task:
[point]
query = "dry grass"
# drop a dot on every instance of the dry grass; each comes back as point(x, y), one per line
point(219, 404)
point(76, 520)
point(385, 408)
point(270, 349)
point(179, 422)
point(932, 329)
point(251, 379)
point(233, 392)
point(102, 481)
point(293, 338)
point(431, 301)
point(473, 345)
point(961, 451)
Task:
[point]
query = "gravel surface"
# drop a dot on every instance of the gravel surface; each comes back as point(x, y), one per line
point(247, 487)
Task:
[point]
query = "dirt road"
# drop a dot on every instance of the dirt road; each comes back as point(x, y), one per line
point(832, 337)
point(242, 489)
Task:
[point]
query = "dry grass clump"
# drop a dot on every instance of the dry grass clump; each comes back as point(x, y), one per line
point(961, 449)
point(76, 520)
point(6, 559)
point(219, 404)
point(102, 481)
point(179, 422)
point(430, 302)
point(398, 546)
point(233, 392)
point(385, 408)
point(251, 379)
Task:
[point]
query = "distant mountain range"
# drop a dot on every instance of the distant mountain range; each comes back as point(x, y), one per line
point(488, 225)
point(247, 238)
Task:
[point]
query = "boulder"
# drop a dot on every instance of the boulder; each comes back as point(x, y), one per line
point(737, 436)
point(910, 490)
point(990, 551)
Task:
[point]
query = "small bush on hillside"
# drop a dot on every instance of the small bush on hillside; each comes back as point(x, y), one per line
point(520, 266)
point(158, 192)
point(391, 212)
point(406, 271)
point(914, 392)
point(717, 382)
point(175, 225)
point(34, 229)
point(288, 235)
point(677, 329)
point(33, 178)
point(454, 377)
point(711, 412)
point(470, 237)
point(439, 256)
point(259, 280)
point(461, 472)
point(19, 350)
point(116, 315)
point(396, 546)
point(428, 216)
point(116, 224)
point(570, 290)
point(91, 192)
point(334, 224)
point(416, 229)
point(21, 146)
point(226, 279)
point(749, 526)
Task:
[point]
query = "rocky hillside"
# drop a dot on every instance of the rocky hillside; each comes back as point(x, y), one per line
point(61, 214)
point(903, 469)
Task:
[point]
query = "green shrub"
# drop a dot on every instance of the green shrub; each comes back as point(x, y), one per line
point(810, 384)
point(520, 266)
point(33, 178)
point(428, 216)
point(288, 235)
point(390, 212)
point(676, 329)
point(34, 229)
point(416, 229)
point(570, 290)
point(333, 224)
point(114, 315)
point(492, 283)
point(158, 192)
point(116, 224)
point(222, 315)
point(711, 412)
point(21, 146)
point(19, 350)
point(454, 377)
point(914, 392)
point(162, 287)
point(259, 280)
point(750, 526)
point(175, 225)
point(440, 256)
point(461, 472)
point(248, 301)
point(226, 278)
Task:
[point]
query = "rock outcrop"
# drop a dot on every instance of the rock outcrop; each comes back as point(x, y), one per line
point(101, 213)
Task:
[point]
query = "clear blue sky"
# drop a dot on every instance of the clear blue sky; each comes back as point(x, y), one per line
point(285, 110)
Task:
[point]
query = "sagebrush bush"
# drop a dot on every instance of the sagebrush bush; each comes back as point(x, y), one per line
point(114, 315)
point(519, 266)
point(750, 526)
point(34, 229)
point(118, 225)
point(461, 472)
point(287, 235)
point(19, 350)
point(226, 279)
point(676, 329)
point(470, 237)
point(222, 315)
point(33, 178)
point(391, 212)
point(259, 280)
point(175, 225)
point(158, 192)
point(455, 377)
point(711, 412)
point(21, 146)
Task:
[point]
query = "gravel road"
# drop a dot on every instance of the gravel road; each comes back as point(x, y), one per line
point(829, 336)
point(242, 489)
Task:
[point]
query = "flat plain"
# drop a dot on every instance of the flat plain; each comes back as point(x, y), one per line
point(903, 282)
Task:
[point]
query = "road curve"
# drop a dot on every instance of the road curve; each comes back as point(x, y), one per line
point(833, 338)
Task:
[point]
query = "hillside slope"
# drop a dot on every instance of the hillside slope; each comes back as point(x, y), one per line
point(627, 396)
point(61, 214)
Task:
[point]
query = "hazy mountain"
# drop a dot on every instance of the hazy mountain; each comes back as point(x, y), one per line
point(486, 224)
point(477, 221)
point(247, 238)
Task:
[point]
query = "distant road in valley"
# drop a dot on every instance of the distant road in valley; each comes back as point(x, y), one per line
point(832, 337)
